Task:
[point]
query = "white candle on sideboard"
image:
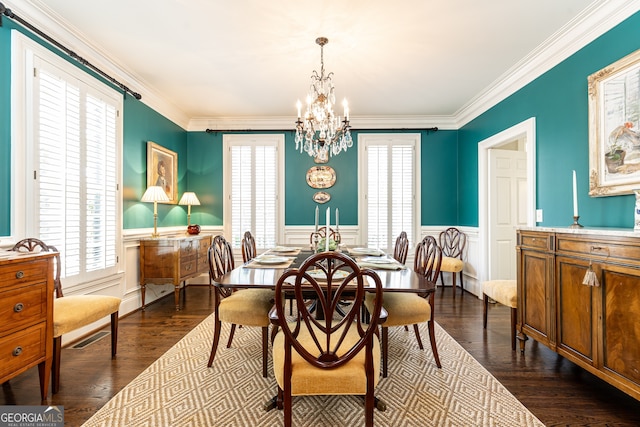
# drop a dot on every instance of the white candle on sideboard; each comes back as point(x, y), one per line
point(575, 195)
point(326, 240)
point(316, 219)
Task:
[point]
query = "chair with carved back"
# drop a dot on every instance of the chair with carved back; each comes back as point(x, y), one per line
point(74, 311)
point(333, 354)
point(452, 241)
point(248, 247)
point(401, 248)
point(405, 308)
point(246, 307)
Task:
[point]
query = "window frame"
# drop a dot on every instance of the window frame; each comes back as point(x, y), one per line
point(364, 141)
point(24, 217)
point(229, 140)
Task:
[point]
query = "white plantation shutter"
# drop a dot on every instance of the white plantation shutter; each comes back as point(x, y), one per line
point(76, 170)
point(253, 189)
point(389, 165)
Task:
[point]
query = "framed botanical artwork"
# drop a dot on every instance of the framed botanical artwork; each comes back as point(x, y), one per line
point(614, 128)
point(162, 170)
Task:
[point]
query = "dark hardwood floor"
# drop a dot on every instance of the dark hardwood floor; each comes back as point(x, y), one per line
point(557, 391)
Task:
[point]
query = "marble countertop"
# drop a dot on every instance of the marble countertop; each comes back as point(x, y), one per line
point(602, 231)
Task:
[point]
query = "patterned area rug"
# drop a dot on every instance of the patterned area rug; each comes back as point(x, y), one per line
point(179, 390)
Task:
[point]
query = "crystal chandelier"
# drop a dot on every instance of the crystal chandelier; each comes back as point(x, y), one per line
point(320, 132)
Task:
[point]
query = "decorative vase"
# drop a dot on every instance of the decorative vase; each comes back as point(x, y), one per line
point(193, 229)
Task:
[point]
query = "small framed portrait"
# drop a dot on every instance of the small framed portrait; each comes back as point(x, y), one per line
point(162, 170)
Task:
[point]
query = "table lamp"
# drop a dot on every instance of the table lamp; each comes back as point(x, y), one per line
point(189, 198)
point(155, 194)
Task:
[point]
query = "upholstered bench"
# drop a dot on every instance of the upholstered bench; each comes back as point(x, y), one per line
point(503, 292)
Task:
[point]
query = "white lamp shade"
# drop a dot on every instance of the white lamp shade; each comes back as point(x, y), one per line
point(154, 194)
point(189, 198)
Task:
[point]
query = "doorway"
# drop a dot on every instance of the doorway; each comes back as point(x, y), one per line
point(504, 186)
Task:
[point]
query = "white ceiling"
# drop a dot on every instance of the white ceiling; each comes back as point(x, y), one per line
point(214, 59)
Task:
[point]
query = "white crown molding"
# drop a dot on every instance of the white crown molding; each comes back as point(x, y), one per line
point(42, 17)
point(596, 20)
point(593, 22)
point(288, 123)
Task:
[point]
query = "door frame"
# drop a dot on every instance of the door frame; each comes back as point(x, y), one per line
point(528, 129)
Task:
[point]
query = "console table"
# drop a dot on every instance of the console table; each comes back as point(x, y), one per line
point(173, 260)
point(26, 315)
point(593, 326)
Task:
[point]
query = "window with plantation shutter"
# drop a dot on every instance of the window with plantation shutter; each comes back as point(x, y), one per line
point(253, 187)
point(390, 181)
point(72, 165)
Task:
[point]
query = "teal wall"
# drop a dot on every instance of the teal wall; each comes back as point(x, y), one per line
point(143, 124)
point(557, 99)
point(559, 102)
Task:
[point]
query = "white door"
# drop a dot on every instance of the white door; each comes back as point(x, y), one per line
point(507, 209)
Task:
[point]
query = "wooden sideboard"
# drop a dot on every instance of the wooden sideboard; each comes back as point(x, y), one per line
point(173, 260)
point(596, 327)
point(26, 316)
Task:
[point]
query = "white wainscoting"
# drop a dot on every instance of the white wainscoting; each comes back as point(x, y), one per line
point(126, 284)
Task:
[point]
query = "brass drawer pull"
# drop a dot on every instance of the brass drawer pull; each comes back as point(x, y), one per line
point(18, 307)
point(17, 351)
point(599, 249)
point(19, 274)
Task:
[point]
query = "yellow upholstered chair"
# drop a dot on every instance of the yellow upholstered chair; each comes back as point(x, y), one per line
point(452, 242)
point(338, 354)
point(504, 292)
point(406, 308)
point(247, 307)
point(74, 311)
point(401, 248)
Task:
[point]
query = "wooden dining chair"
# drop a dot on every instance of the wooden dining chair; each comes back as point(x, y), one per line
point(247, 307)
point(452, 241)
point(406, 308)
point(248, 247)
point(338, 355)
point(74, 311)
point(401, 248)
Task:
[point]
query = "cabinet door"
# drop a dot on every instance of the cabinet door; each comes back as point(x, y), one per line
point(535, 299)
point(577, 315)
point(621, 311)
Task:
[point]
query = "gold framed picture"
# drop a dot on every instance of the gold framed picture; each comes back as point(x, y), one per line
point(162, 170)
point(614, 128)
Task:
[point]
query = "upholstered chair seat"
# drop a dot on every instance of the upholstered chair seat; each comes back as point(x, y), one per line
point(308, 380)
point(247, 307)
point(75, 311)
point(503, 292)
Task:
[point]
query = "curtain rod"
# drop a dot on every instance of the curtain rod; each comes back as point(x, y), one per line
point(8, 13)
point(432, 129)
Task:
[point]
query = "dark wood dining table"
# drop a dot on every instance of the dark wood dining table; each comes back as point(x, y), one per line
point(402, 280)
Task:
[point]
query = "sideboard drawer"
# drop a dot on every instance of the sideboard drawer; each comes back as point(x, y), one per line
point(22, 349)
point(22, 273)
point(534, 240)
point(594, 247)
point(23, 306)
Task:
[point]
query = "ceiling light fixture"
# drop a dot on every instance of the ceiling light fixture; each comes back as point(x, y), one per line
point(320, 132)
